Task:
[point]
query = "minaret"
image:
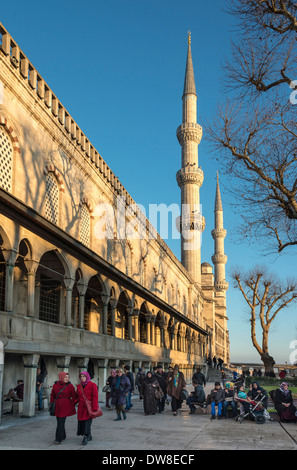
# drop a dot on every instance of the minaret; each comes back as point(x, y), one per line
point(219, 258)
point(190, 176)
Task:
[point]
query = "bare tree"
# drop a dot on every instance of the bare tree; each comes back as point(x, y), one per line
point(266, 297)
point(255, 132)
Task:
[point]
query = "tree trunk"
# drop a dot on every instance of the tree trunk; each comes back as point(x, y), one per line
point(268, 362)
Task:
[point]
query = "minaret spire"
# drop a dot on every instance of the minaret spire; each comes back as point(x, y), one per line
point(190, 176)
point(189, 84)
point(219, 258)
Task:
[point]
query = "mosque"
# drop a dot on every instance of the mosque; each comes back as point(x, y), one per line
point(75, 292)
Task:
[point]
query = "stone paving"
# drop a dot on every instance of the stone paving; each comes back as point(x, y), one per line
point(161, 432)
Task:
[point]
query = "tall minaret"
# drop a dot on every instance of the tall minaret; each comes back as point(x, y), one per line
point(190, 176)
point(219, 258)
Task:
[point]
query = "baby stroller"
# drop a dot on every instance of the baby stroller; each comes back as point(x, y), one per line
point(253, 409)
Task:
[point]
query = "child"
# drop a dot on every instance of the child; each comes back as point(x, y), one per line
point(244, 399)
point(217, 397)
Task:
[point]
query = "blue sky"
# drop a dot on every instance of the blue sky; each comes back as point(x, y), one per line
point(118, 68)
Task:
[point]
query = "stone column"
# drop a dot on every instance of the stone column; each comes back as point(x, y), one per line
point(30, 369)
point(10, 258)
point(136, 324)
point(2, 344)
point(102, 367)
point(105, 300)
point(130, 316)
point(148, 331)
point(69, 283)
point(82, 289)
point(32, 267)
point(63, 363)
point(113, 305)
point(82, 364)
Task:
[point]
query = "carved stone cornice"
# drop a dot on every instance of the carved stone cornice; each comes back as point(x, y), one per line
point(191, 175)
point(219, 258)
point(218, 233)
point(189, 132)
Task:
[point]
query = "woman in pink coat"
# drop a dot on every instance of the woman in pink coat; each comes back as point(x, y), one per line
point(63, 393)
point(90, 390)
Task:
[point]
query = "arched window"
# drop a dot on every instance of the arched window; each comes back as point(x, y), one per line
point(51, 198)
point(85, 225)
point(6, 158)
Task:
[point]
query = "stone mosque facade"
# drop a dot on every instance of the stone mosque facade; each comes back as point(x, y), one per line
point(69, 298)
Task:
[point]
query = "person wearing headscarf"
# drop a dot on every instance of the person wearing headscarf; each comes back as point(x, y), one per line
point(147, 390)
point(120, 387)
point(113, 373)
point(258, 393)
point(229, 400)
point(63, 393)
point(89, 389)
point(283, 402)
point(175, 385)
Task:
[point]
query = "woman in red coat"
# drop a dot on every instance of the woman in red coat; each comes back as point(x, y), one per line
point(63, 393)
point(90, 390)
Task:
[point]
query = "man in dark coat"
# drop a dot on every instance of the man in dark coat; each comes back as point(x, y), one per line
point(197, 396)
point(199, 377)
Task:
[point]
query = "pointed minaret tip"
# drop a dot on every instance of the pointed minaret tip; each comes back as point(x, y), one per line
point(218, 201)
point(189, 85)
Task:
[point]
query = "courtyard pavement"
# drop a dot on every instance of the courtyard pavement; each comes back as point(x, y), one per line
point(160, 432)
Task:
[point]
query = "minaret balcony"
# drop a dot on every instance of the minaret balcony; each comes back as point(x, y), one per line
point(221, 285)
point(188, 223)
point(218, 233)
point(219, 258)
point(189, 131)
point(190, 174)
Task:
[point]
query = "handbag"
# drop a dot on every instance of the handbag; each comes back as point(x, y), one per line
point(159, 394)
point(91, 413)
point(106, 389)
point(52, 406)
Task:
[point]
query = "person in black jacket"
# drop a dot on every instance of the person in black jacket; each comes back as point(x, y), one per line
point(199, 377)
point(283, 402)
point(258, 393)
point(197, 396)
point(217, 397)
point(130, 376)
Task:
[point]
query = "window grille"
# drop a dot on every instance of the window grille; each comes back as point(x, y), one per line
point(49, 299)
point(51, 198)
point(6, 155)
point(85, 225)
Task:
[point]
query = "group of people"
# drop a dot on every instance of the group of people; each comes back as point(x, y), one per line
point(215, 363)
point(223, 398)
point(154, 388)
